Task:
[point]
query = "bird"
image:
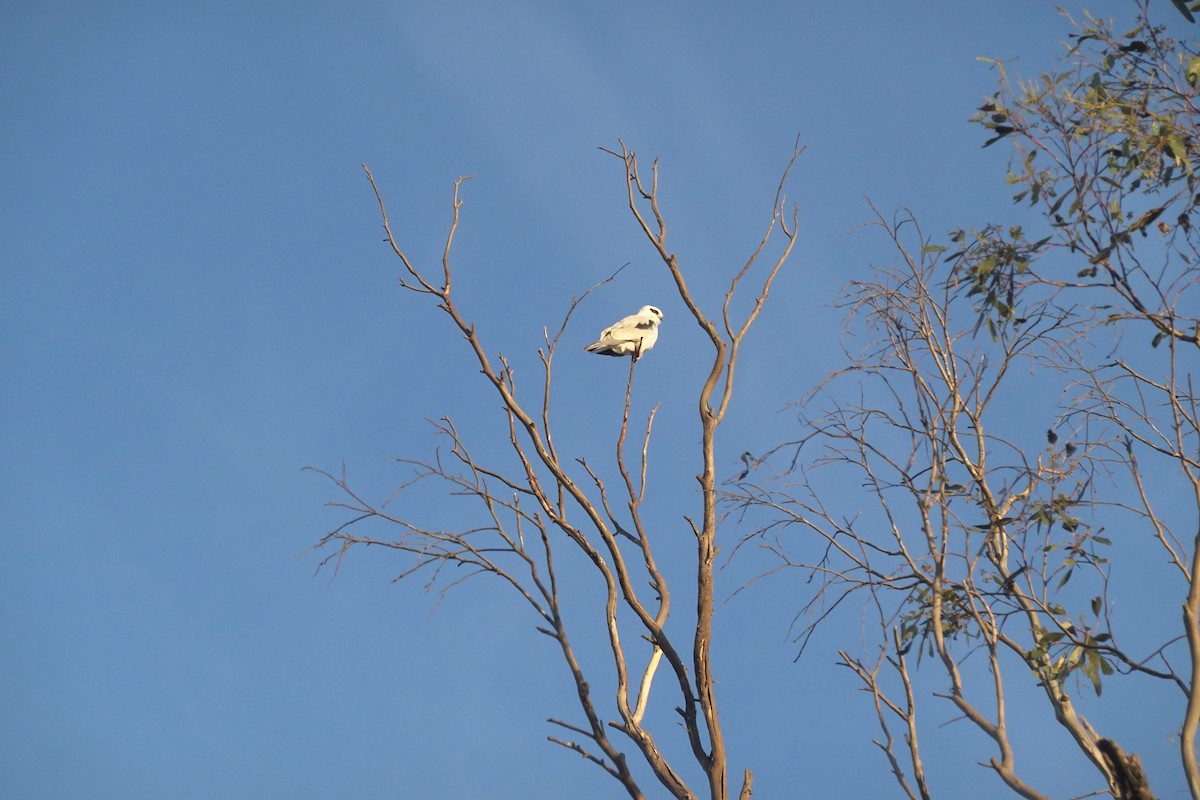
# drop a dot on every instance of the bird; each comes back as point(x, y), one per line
point(633, 336)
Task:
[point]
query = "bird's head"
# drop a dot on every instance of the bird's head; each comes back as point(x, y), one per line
point(651, 312)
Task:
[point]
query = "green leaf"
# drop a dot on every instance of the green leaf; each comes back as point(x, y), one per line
point(1157, 340)
point(1001, 132)
point(1075, 655)
point(1183, 9)
point(1063, 580)
point(1096, 604)
point(1051, 436)
point(1091, 668)
point(1146, 219)
point(933, 248)
point(1193, 71)
point(1178, 151)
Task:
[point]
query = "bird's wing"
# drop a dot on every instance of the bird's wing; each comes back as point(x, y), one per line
point(622, 337)
point(630, 327)
point(620, 326)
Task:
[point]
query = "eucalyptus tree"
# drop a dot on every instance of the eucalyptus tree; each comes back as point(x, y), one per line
point(1025, 428)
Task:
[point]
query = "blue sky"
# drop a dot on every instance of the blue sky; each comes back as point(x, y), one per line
point(195, 304)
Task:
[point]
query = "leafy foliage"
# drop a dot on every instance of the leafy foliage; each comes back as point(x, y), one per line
point(1106, 150)
point(1007, 409)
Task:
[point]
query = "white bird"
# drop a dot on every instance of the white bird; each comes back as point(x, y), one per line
point(632, 336)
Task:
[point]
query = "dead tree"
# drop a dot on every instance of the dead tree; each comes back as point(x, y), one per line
point(551, 501)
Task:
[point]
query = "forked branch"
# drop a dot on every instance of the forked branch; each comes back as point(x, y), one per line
point(537, 504)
